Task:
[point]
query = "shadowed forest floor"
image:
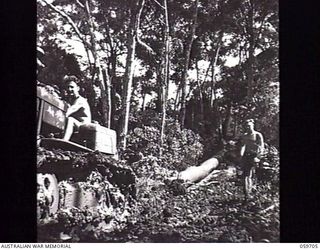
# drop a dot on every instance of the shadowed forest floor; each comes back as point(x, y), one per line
point(212, 211)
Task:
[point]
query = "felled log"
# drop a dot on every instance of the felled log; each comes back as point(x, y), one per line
point(267, 209)
point(197, 173)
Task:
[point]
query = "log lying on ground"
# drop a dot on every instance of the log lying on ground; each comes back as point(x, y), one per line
point(197, 173)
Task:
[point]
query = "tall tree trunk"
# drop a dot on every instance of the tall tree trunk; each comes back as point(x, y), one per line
point(251, 51)
point(132, 41)
point(113, 89)
point(213, 98)
point(226, 122)
point(176, 100)
point(103, 78)
point(194, 125)
point(186, 65)
point(143, 101)
point(127, 91)
point(108, 98)
point(159, 89)
point(112, 74)
point(165, 85)
point(201, 115)
point(215, 111)
point(213, 79)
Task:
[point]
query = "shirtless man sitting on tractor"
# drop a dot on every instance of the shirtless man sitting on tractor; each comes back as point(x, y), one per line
point(252, 148)
point(78, 112)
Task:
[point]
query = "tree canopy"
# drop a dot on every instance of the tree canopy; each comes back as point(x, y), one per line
point(208, 64)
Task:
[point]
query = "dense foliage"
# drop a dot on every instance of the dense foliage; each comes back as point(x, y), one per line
point(182, 147)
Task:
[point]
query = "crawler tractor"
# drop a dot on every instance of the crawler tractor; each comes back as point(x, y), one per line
point(82, 175)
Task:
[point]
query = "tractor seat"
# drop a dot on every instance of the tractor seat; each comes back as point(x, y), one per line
point(97, 137)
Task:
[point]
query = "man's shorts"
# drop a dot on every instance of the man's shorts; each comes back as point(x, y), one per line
point(248, 163)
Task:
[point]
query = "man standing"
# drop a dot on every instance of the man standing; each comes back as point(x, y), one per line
point(78, 112)
point(252, 148)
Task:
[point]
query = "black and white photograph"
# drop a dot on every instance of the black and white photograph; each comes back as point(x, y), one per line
point(157, 121)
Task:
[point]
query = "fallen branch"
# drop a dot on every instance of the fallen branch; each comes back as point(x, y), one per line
point(267, 209)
